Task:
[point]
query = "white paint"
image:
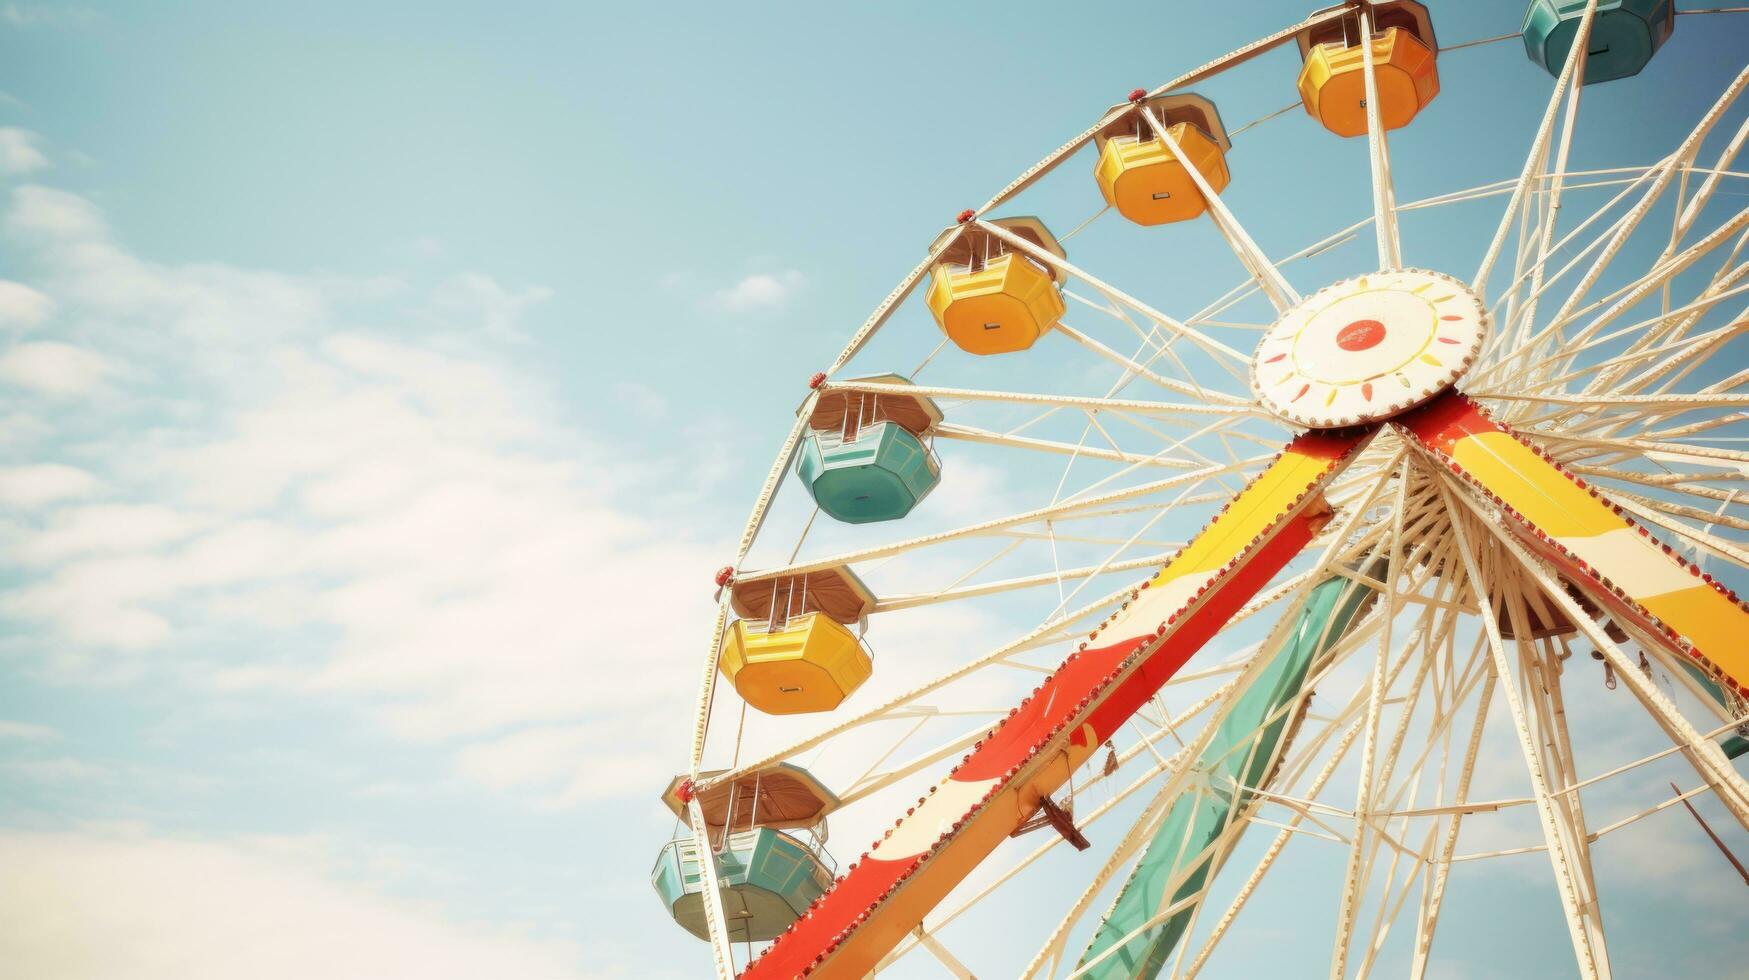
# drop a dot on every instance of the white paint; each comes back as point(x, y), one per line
point(937, 814)
point(1631, 562)
point(1311, 367)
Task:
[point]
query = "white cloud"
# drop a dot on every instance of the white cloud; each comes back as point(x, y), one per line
point(105, 528)
point(54, 368)
point(79, 905)
point(566, 763)
point(19, 153)
point(45, 15)
point(24, 731)
point(36, 484)
point(58, 770)
point(471, 563)
point(21, 306)
point(759, 293)
point(477, 299)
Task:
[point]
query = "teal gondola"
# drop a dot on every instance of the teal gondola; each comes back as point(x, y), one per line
point(1624, 35)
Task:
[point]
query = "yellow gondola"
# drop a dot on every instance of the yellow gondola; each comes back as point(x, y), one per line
point(1333, 79)
point(1137, 173)
point(792, 650)
point(990, 298)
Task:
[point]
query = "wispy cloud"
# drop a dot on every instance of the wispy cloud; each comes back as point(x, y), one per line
point(20, 152)
point(473, 562)
point(22, 307)
point(30, 486)
point(761, 292)
point(24, 731)
point(47, 15)
point(50, 367)
point(275, 912)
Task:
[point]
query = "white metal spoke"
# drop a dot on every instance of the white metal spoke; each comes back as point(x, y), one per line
point(1562, 862)
point(1225, 355)
point(1384, 205)
point(1268, 278)
point(1538, 147)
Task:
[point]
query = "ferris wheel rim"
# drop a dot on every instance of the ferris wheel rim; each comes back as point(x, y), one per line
point(1381, 473)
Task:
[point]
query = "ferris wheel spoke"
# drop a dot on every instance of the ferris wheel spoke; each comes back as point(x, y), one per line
point(1590, 962)
point(1178, 387)
point(1549, 213)
point(1384, 205)
point(1631, 294)
point(1668, 403)
point(1141, 407)
point(1439, 872)
point(1709, 762)
point(1151, 340)
point(1687, 215)
point(1374, 804)
point(894, 603)
point(1518, 338)
point(1576, 448)
point(1540, 673)
point(1353, 718)
point(1718, 517)
point(1669, 328)
point(1607, 374)
point(1679, 366)
point(1235, 362)
point(1693, 429)
point(968, 433)
point(1352, 880)
point(1513, 333)
point(1537, 158)
point(1262, 271)
point(1511, 324)
point(1684, 156)
point(1064, 510)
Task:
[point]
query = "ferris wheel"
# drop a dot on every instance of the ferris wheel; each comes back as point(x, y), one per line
point(1405, 528)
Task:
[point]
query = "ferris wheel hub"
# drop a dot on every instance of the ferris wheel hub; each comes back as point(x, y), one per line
point(1367, 348)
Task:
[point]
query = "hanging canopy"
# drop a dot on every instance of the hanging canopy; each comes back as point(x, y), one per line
point(914, 413)
point(971, 244)
point(835, 592)
point(781, 797)
point(1171, 109)
point(1406, 14)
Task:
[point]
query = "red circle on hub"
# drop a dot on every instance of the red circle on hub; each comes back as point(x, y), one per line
point(1360, 335)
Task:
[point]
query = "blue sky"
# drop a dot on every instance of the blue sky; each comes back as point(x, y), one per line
point(381, 384)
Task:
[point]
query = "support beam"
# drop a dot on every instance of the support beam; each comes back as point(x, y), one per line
point(1618, 564)
point(1566, 878)
point(881, 899)
point(1384, 196)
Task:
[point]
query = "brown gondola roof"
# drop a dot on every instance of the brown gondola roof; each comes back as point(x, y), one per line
point(1174, 108)
point(782, 797)
point(835, 592)
point(971, 243)
point(1406, 14)
point(916, 413)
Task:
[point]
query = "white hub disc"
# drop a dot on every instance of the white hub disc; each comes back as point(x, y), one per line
point(1367, 348)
